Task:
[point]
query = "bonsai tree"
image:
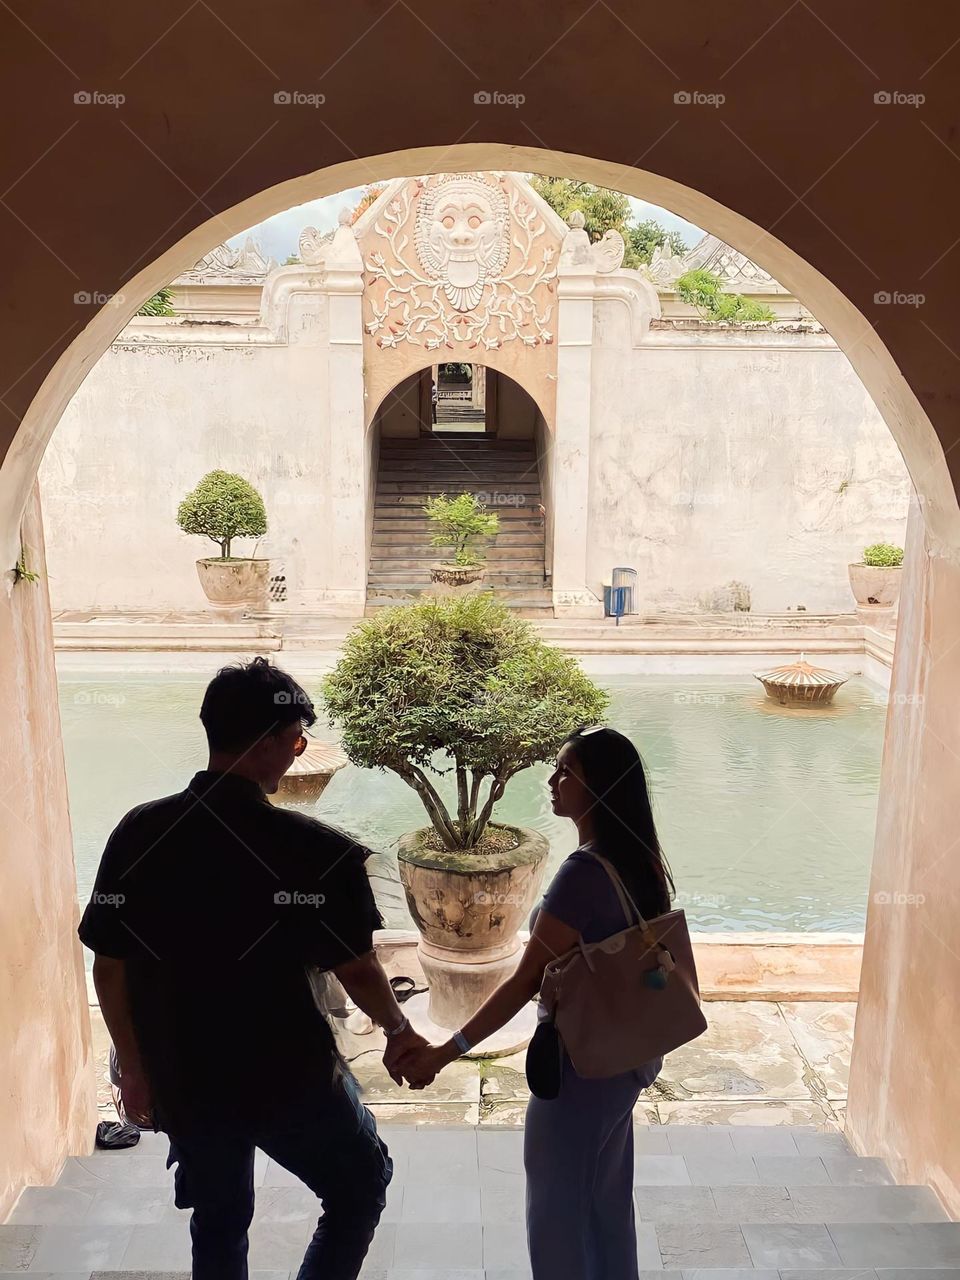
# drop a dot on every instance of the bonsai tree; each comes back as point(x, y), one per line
point(223, 507)
point(457, 686)
point(882, 555)
point(456, 521)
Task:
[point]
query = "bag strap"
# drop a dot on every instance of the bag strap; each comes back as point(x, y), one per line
point(626, 902)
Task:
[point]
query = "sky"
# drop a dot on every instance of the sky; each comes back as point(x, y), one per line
point(279, 236)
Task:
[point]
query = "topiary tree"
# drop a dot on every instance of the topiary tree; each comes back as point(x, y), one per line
point(456, 521)
point(456, 685)
point(161, 304)
point(883, 555)
point(223, 507)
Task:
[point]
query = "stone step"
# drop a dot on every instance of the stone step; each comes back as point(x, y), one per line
point(456, 461)
point(425, 555)
point(462, 439)
point(384, 537)
point(419, 490)
point(409, 513)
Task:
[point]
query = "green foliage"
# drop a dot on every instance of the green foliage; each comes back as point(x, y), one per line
point(223, 507)
point(292, 260)
point(646, 236)
point(602, 211)
point(20, 571)
point(456, 521)
point(883, 555)
point(456, 685)
point(704, 291)
point(161, 304)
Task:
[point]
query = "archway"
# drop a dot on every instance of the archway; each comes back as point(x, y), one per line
point(914, 766)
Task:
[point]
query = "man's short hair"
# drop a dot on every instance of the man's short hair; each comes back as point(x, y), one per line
point(248, 701)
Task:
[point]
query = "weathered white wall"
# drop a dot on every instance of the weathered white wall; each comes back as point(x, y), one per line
point(735, 456)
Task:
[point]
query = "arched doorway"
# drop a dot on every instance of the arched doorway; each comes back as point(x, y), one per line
point(503, 460)
point(901, 952)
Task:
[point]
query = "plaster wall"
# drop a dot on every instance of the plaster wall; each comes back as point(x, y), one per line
point(735, 456)
point(907, 1043)
point(47, 1103)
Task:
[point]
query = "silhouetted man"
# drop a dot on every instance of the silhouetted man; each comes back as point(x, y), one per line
point(209, 907)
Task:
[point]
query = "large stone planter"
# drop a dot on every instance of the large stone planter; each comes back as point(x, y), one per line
point(468, 908)
point(456, 579)
point(232, 586)
point(875, 586)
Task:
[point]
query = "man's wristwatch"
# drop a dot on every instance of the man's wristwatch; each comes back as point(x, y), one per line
point(400, 1027)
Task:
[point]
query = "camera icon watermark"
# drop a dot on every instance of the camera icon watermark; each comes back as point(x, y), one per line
point(296, 898)
point(896, 98)
point(501, 498)
point(298, 98)
point(886, 298)
point(98, 698)
point(283, 698)
point(886, 898)
point(697, 699)
point(694, 98)
point(94, 298)
point(496, 98)
point(483, 899)
point(96, 98)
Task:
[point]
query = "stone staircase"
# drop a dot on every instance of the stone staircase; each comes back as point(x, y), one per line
point(715, 1202)
point(451, 412)
point(503, 472)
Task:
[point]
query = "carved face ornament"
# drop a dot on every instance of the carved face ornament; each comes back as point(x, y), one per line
point(461, 239)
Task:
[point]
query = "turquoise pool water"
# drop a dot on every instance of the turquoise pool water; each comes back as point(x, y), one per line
point(766, 815)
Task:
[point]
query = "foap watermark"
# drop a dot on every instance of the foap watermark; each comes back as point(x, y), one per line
point(284, 698)
point(97, 98)
point(98, 698)
point(502, 498)
point(94, 298)
point(897, 98)
point(694, 98)
point(899, 699)
point(896, 898)
point(107, 899)
point(483, 899)
point(497, 98)
point(298, 98)
point(715, 900)
point(297, 898)
point(896, 298)
point(697, 699)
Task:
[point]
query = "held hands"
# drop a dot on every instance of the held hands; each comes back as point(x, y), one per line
point(408, 1057)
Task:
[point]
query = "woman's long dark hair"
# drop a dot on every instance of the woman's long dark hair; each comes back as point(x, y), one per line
point(625, 831)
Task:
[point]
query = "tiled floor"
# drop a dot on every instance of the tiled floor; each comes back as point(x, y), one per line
point(714, 1202)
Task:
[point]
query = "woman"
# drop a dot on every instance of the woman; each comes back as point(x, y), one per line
point(578, 1147)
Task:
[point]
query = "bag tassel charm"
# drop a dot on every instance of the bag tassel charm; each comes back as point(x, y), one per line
point(656, 978)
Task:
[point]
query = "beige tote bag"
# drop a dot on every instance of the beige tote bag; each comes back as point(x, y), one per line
point(633, 997)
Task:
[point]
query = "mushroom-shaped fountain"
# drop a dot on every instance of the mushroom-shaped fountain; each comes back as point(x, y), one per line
point(307, 777)
point(801, 684)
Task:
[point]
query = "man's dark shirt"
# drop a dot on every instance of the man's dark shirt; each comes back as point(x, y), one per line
point(219, 903)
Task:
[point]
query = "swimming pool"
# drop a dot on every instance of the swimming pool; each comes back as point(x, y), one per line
point(767, 815)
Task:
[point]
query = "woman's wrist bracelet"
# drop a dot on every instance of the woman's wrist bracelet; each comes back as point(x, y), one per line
point(401, 1026)
point(461, 1041)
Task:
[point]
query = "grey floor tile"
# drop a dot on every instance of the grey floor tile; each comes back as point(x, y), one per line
point(822, 1144)
point(731, 1273)
point(675, 1204)
point(792, 1171)
point(857, 1170)
point(18, 1244)
point(763, 1140)
point(503, 1201)
point(127, 1206)
point(790, 1245)
point(833, 1273)
point(505, 1245)
point(84, 1248)
point(754, 1204)
point(507, 1273)
point(895, 1244)
point(67, 1206)
point(158, 1247)
point(275, 1245)
point(440, 1203)
point(649, 1257)
point(695, 1245)
point(722, 1170)
point(651, 1140)
point(437, 1244)
point(459, 1273)
point(286, 1204)
point(500, 1150)
point(660, 1171)
point(700, 1140)
point(918, 1273)
point(867, 1204)
point(93, 1172)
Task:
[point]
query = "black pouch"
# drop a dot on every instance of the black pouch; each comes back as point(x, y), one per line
point(544, 1066)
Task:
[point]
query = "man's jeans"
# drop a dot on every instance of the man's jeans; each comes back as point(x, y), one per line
point(331, 1144)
